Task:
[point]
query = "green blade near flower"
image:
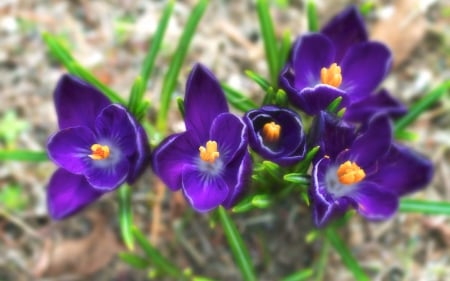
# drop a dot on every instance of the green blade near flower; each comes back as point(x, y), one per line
point(63, 55)
point(23, 155)
point(237, 99)
point(238, 248)
point(126, 216)
point(263, 83)
point(424, 207)
point(155, 257)
point(301, 275)
point(269, 39)
point(313, 20)
point(171, 77)
point(423, 104)
point(349, 260)
point(134, 260)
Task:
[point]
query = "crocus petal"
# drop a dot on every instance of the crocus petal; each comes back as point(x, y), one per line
point(372, 144)
point(106, 176)
point(204, 193)
point(374, 202)
point(70, 148)
point(345, 30)
point(331, 133)
point(325, 207)
point(68, 193)
point(237, 176)
point(314, 100)
point(114, 125)
point(380, 102)
point(363, 68)
point(204, 100)
point(142, 157)
point(403, 171)
point(77, 103)
point(310, 54)
point(230, 134)
point(172, 155)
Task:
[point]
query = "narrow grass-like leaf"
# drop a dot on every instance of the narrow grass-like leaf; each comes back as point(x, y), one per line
point(158, 260)
point(349, 260)
point(23, 155)
point(142, 109)
point(86, 75)
point(237, 99)
point(422, 105)
point(136, 95)
point(171, 77)
point(323, 260)
point(298, 178)
point(263, 83)
point(238, 248)
point(134, 260)
point(180, 103)
point(406, 136)
point(270, 41)
point(200, 278)
point(126, 216)
point(285, 48)
point(303, 166)
point(301, 275)
point(261, 201)
point(333, 106)
point(149, 61)
point(424, 207)
point(313, 20)
point(64, 56)
point(244, 205)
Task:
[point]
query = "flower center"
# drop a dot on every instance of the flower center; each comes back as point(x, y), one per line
point(210, 153)
point(271, 132)
point(332, 75)
point(99, 152)
point(350, 173)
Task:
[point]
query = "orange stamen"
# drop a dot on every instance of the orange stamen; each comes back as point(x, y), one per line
point(350, 173)
point(210, 153)
point(271, 132)
point(99, 152)
point(331, 76)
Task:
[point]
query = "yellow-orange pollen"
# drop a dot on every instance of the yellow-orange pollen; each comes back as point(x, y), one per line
point(271, 132)
point(210, 153)
point(331, 76)
point(99, 152)
point(350, 173)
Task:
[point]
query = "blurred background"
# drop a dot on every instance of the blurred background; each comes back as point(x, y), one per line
point(111, 38)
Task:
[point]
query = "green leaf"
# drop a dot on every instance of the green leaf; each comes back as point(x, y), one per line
point(313, 20)
point(126, 216)
point(269, 39)
point(134, 260)
point(136, 95)
point(63, 55)
point(171, 77)
point(352, 264)
point(13, 197)
point(303, 166)
point(237, 99)
point(78, 70)
point(200, 278)
point(299, 178)
point(422, 105)
point(284, 49)
point(244, 205)
point(261, 201)
point(263, 83)
point(301, 275)
point(23, 155)
point(424, 207)
point(149, 61)
point(180, 103)
point(238, 248)
point(334, 105)
point(159, 261)
point(406, 136)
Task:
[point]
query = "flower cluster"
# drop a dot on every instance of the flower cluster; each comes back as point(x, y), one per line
point(359, 164)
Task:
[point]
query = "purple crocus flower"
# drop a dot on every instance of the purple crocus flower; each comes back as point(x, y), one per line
point(99, 147)
point(209, 162)
point(339, 61)
point(369, 173)
point(276, 134)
